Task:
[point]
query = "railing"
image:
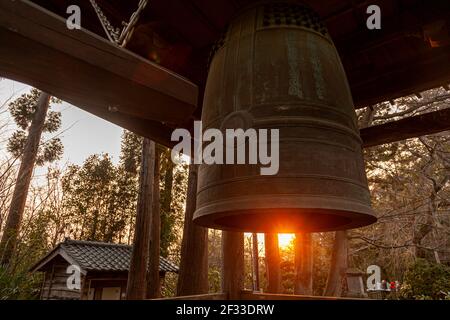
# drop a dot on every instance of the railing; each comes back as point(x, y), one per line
point(208, 296)
point(250, 295)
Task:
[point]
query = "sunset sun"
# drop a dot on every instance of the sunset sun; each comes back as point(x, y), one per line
point(284, 239)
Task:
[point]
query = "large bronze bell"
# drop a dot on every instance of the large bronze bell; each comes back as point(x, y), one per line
point(277, 67)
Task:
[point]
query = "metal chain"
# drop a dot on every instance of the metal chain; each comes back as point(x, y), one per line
point(111, 32)
point(114, 34)
point(129, 28)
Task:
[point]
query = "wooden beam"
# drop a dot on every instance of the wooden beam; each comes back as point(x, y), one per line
point(208, 296)
point(397, 81)
point(88, 71)
point(248, 295)
point(153, 130)
point(419, 68)
point(405, 22)
point(416, 126)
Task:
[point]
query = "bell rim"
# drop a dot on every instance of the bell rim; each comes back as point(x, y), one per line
point(353, 214)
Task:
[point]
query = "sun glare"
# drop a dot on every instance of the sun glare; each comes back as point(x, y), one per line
point(284, 239)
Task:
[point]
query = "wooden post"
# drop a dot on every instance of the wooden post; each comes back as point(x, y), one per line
point(273, 263)
point(303, 264)
point(338, 265)
point(19, 198)
point(256, 285)
point(50, 283)
point(137, 276)
point(232, 264)
point(153, 279)
point(193, 274)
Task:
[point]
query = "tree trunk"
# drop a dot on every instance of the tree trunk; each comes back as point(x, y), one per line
point(166, 207)
point(15, 215)
point(137, 284)
point(232, 264)
point(338, 265)
point(193, 274)
point(153, 279)
point(272, 263)
point(255, 255)
point(303, 264)
point(424, 228)
point(419, 233)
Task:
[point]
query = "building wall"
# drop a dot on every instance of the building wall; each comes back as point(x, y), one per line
point(55, 285)
point(105, 286)
point(94, 285)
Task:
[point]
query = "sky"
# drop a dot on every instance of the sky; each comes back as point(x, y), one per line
point(81, 133)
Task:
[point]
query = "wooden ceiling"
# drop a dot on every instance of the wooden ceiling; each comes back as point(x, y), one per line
point(380, 64)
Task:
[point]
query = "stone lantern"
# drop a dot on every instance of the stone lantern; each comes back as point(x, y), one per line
point(354, 283)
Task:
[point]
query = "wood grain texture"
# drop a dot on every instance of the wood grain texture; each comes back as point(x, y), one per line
point(273, 261)
point(416, 126)
point(153, 277)
point(232, 264)
point(137, 276)
point(88, 71)
point(193, 274)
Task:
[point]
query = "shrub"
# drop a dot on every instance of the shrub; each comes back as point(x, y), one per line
point(19, 285)
point(424, 280)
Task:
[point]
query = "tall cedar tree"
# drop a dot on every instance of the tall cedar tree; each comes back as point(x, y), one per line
point(171, 186)
point(137, 277)
point(30, 113)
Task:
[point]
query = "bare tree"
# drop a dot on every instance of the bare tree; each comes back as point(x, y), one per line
point(414, 206)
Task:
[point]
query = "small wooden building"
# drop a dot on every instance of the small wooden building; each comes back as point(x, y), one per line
point(103, 270)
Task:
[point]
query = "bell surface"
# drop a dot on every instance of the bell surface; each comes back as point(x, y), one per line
point(277, 68)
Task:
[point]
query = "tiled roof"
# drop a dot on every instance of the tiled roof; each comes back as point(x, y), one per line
point(101, 256)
